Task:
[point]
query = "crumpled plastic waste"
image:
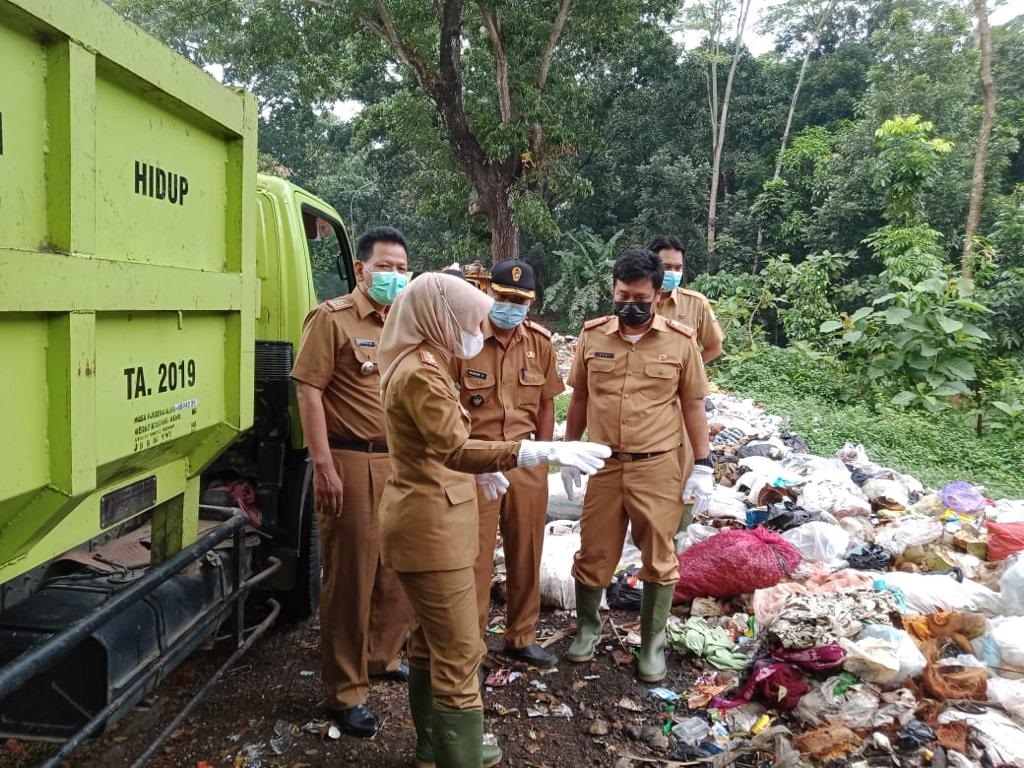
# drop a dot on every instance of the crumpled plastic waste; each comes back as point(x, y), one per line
point(819, 542)
point(725, 503)
point(626, 590)
point(1001, 738)
point(869, 557)
point(963, 497)
point(794, 442)
point(1011, 588)
point(883, 655)
point(842, 499)
point(909, 532)
point(785, 515)
point(1002, 647)
point(768, 449)
point(915, 734)
point(836, 700)
point(926, 593)
point(694, 534)
point(886, 494)
point(1004, 539)
point(1009, 694)
point(734, 563)
point(809, 620)
point(696, 636)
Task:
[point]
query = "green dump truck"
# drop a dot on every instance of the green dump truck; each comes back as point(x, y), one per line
point(152, 292)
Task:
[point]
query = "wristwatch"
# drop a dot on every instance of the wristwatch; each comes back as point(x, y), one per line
point(705, 462)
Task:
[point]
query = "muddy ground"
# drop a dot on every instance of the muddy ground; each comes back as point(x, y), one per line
point(274, 691)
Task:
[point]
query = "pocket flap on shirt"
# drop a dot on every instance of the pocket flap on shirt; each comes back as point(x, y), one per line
point(460, 493)
point(661, 370)
point(599, 364)
point(531, 378)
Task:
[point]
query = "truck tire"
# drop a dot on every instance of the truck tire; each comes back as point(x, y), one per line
point(303, 599)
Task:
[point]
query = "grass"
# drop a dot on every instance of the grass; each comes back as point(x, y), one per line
point(935, 448)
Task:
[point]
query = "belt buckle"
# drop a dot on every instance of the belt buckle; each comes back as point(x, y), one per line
point(622, 456)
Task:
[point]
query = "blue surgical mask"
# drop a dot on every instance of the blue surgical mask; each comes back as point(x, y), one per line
point(386, 286)
point(507, 315)
point(671, 280)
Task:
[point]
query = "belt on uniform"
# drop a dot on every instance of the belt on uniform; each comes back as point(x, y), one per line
point(366, 446)
point(622, 456)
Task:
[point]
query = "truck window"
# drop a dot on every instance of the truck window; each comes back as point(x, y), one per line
point(326, 240)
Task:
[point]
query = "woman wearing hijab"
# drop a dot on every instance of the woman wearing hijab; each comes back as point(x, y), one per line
point(428, 512)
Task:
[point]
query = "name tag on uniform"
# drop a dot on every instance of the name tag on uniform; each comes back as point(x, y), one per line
point(475, 373)
point(604, 354)
point(366, 343)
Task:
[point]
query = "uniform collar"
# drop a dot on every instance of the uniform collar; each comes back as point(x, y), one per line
point(673, 297)
point(363, 304)
point(659, 324)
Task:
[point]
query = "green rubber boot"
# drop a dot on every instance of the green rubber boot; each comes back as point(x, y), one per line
point(421, 704)
point(588, 624)
point(654, 609)
point(458, 739)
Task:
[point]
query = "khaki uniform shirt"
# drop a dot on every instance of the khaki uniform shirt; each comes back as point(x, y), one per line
point(693, 309)
point(339, 338)
point(428, 513)
point(502, 387)
point(635, 389)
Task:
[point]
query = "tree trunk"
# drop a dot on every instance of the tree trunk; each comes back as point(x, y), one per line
point(988, 88)
point(504, 231)
point(720, 140)
point(812, 44)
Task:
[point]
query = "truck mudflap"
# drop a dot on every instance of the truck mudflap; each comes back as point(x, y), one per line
point(68, 684)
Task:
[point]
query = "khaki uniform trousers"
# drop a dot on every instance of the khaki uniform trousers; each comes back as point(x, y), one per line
point(522, 512)
point(646, 494)
point(364, 615)
point(445, 635)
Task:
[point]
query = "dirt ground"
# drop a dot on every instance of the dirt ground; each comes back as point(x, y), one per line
point(273, 692)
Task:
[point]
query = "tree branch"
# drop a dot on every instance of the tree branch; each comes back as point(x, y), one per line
point(385, 29)
point(493, 26)
point(549, 50)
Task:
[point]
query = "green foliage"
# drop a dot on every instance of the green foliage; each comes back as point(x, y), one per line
point(937, 448)
point(801, 291)
point(907, 161)
point(562, 406)
point(584, 288)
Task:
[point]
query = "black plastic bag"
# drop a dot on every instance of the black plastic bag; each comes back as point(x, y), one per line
point(626, 590)
point(786, 515)
point(870, 557)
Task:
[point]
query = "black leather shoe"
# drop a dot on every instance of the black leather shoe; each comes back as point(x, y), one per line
point(532, 654)
point(399, 674)
point(356, 721)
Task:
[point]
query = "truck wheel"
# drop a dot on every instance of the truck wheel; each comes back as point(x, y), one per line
point(303, 600)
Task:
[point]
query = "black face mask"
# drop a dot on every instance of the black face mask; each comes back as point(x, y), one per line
point(633, 313)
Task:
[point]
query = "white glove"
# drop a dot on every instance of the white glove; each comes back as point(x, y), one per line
point(586, 457)
point(572, 482)
point(494, 484)
point(698, 489)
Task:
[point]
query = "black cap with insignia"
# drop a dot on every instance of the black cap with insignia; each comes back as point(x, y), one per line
point(513, 276)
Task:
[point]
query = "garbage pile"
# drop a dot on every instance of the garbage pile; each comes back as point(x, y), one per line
point(843, 613)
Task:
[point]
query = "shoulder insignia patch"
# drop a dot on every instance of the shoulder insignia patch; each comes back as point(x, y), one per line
point(427, 357)
point(342, 302)
point(682, 328)
point(596, 322)
point(539, 328)
point(688, 292)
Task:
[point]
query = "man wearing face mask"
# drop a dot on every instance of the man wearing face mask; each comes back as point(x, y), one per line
point(689, 307)
point(508, 390)
point(637, 381)
point(364, 614)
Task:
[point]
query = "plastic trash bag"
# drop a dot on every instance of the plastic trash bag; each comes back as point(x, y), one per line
point(818, 541)
point(855, 706)
point(925, 593)
point(726, 504)
point(1009, 694)
point(626, 591)
point(734, 563)
point(963, 497)
point(694, 534)
point(1004, 539)
point(1011, 587)
point(890, 494)
point(1003, 646)
point(883, 655)
point(909, 532)
point(557, 587)
point(869, 557)
point(839, 498)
